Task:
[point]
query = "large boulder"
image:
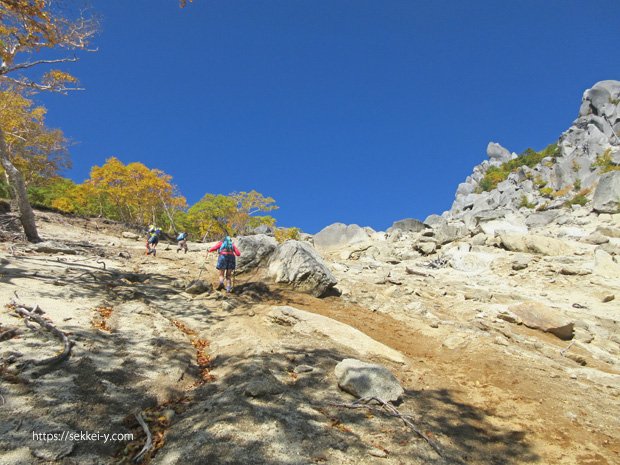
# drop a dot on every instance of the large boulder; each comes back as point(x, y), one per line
point(365, 380)
point(449, 232)
point(497, 153)
point(607, 194)
point(263, 229)
point(493, 227)
point(599, 100)
point(408, 225)
point(298, 264)
point(542, 218)
point(538, 316)
point(338, 235)
point(434, 221)
point(255, 251)
point(469, 262)
point(532, 243)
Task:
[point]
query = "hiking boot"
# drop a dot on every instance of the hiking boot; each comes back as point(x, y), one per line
point(220, 286)
point(228, 290)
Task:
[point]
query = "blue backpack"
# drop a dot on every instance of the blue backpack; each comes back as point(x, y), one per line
point(181, 236)
point(227, 245)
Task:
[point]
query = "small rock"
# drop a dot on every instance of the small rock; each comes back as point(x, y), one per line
point(510, 317)
point(454, 341)
point(368, 380)
point(198, 287)
point(130, 235)
point(303, 369)
point(124, 254)
point(434, 324)
point(596, 239)
point(378, 453)
point(263, 385)
point(608, 298)
point(569, 270)
point(521, 263)
point(576, 358)
point(251, 313)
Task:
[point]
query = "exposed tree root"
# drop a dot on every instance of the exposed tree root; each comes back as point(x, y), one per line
point(149, 439)
point(34, 314)
point(390, 410)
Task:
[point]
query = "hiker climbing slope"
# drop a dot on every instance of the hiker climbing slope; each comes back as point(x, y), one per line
point(152, 239)
point(226, 261)
point(182, 242)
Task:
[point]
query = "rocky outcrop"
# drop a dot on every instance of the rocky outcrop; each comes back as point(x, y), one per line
point(255, 251)
point(570, 168)
point(306, 323)
point(338, 235)
point(298, 264)
point(364, 380)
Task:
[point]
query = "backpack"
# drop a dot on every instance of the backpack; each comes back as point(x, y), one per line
point(227, 245)
point(181, 236)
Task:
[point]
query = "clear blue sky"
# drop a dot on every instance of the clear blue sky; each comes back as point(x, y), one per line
point(354, 111)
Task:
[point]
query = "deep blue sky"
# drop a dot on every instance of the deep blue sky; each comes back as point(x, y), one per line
point(355, 111)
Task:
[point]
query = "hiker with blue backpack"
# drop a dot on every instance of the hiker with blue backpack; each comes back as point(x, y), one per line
point(152, 239)
point(226, 261)
point(182, 242)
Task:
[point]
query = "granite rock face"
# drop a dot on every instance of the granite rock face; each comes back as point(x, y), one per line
point(572, 168)
point(338, 235)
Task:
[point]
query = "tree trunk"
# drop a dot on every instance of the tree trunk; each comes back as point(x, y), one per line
point(26, 215)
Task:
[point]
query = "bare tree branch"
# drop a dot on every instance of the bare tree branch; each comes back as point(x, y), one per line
point(30, 64)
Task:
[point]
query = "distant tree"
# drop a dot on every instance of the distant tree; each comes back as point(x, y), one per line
point(210, 217)
point(233, 214)
point(27, 27)
point(248, 204)
point(131, 193)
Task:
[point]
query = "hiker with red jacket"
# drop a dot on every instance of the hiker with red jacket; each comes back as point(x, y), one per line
point(226, 261)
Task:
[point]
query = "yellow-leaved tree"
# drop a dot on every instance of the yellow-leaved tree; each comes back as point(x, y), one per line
point(238, 213)
point(38, 152)
point(132, 193)
point(27, 27)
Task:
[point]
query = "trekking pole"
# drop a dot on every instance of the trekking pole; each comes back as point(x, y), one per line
point(204, 265)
